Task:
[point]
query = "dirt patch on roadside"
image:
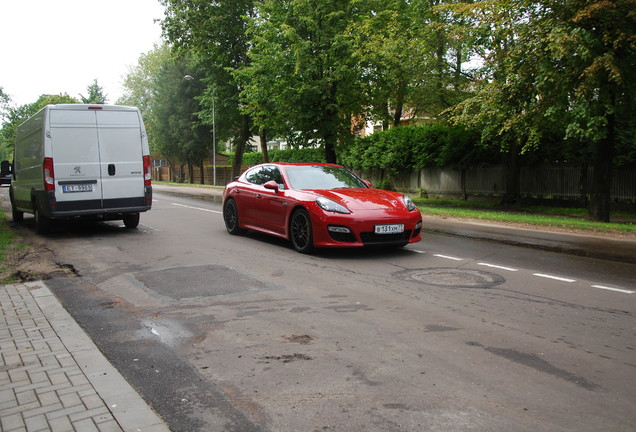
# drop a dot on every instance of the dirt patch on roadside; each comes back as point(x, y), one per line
point(28, 259)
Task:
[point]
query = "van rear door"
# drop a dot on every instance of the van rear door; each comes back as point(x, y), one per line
point(76, 159)
point(120, 136)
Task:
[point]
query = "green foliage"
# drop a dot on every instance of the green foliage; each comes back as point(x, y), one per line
point(95, 94)
point(141, 88)
point(305, 76)
point(15, 116)
point(176, 132)
point(415, 147)
point(215, 34)
point(289, 155)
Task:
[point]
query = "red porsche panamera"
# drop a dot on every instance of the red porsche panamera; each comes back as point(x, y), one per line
point(318, 205)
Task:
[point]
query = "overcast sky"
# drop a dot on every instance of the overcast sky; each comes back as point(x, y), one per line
point(61, 46)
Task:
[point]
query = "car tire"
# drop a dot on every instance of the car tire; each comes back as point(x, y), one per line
point(131, 220)
point(42, 223)
point(17, 215)
point(301, 231)
point(231, 217)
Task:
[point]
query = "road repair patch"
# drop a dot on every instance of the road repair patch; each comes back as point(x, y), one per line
point(198, 281)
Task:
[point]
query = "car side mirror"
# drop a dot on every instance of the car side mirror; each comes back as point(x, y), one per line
point(271, 185)
point(367, 182)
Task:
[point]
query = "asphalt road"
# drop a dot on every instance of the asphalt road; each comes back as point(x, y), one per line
point(244, 334)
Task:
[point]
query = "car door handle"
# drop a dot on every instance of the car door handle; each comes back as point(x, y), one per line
point(259, 196)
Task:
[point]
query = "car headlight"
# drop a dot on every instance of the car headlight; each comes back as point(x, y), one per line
point(331, 206)
point(408, 202)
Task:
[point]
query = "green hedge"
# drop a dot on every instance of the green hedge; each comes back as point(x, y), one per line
point(416, 147)
point(290, 155)
point(397, 149)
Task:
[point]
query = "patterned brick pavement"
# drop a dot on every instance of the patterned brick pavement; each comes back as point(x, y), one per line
point(52, 377)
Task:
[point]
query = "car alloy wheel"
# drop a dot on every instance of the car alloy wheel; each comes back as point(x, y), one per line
point(231, 218)
point(301, 232)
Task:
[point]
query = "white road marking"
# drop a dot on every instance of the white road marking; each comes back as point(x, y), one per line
point(449, 257)
point(558, 278)
point(498, 267)
point(613, 289)
point(197, 208)
point(562, 279)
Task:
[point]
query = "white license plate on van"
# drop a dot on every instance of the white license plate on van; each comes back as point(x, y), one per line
point(77, 188)
point(389, 229)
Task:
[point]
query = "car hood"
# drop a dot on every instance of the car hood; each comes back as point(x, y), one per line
point(364, 199)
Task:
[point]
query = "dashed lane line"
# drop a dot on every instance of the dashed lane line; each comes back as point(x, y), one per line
point(449, 257)
point(558, 278)
point(498, 267)
point(624, 291)
point(547, 276)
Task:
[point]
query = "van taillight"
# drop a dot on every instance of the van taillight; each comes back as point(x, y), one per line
point(147, 176)
point(49, 175)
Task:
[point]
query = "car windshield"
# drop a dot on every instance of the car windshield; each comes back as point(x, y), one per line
point(321, 177)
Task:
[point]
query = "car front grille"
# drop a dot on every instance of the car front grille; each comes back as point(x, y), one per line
point(371, 238)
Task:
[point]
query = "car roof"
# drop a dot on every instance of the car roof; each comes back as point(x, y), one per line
point(301, 164)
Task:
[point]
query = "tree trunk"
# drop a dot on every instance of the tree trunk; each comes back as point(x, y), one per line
point(240, 147)
point(601, 188)
point(201, 167)
point(262, 133)
point(463, 184)
point(511, 194)
point(330, 148)
point(399, 107)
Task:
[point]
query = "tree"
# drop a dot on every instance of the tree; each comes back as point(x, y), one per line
point(141, 87)
point(306, 65)
point(177, 132)
point(215, 33)
point(15, 116)
point(557, 65)
point(95, 94)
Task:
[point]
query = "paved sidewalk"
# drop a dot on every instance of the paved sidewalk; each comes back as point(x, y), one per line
point(53, 377)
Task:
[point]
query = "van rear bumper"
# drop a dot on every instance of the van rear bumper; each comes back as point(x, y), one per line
point(102, 209)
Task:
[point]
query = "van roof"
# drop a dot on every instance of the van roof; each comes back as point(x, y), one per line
point(92, 106)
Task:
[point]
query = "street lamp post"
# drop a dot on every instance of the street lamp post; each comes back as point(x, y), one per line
point(191, 78)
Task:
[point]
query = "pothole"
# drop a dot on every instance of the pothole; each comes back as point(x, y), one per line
point(452, 277)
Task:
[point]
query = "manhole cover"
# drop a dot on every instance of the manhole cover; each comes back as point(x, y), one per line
point(453, 278)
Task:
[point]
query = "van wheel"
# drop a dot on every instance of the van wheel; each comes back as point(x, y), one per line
point(131, 220)
point(18, 216)
point(42, 223)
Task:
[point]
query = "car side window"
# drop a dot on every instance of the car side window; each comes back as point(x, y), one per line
point(263, 174)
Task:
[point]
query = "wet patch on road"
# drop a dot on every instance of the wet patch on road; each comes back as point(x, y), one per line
point(535, 362)
point(452, 277)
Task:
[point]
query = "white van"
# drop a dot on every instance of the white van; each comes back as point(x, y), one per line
point(76, 160)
